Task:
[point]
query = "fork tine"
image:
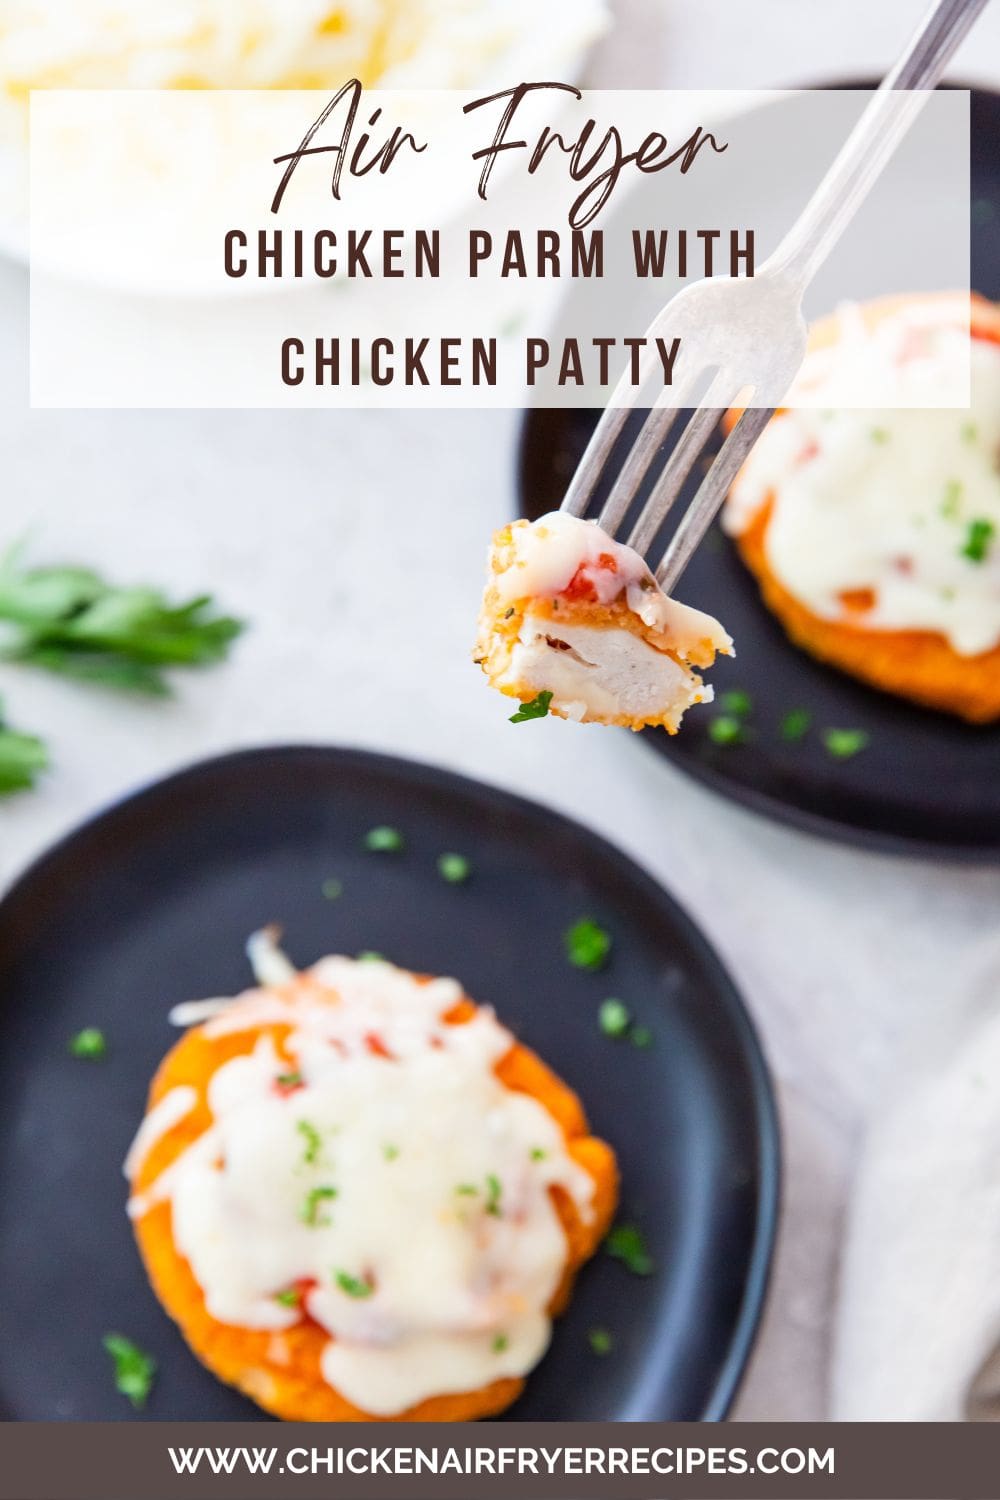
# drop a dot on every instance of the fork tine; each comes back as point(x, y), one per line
point(596, 454)
point(691, 442)
point(711, 493)
point(651, 438)
point(621, 404)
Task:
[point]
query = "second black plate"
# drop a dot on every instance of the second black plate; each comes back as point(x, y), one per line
point(925, 783)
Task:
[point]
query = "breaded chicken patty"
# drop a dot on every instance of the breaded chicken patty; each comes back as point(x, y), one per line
point(875, 535)
point(360, 1198)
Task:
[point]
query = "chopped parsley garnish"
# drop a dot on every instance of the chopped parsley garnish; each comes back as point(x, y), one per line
point(22, 757)
point(538, 708)
point(614, 1018)
point(390, 1152)
point(843, 743)
point(332, 889)
point(89, 1043)
point(290, 1297)
point(313, 1141)
point(384, 840)
point(494, 1192)
point(538, 1153)
point(369, 957)
point(501, 1343)
point(627, 1244)
point(288, 1080)
point(641, 1037)
point(977, 542)
point(880, 434)
point(796, 724)
point(600, 1341)
point(466, 1190)
point(736, 702)
point(952, 499)
point(969, 432)
point(726, 729)
point(310, 1209)
point(454, 868)
point(587, 944)
point(354, 1286)
point(135, 1370)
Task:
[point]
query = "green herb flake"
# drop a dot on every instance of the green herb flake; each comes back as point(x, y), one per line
point(977, 542)
point(466, 1190)
point(600, 1341)
point(135, 1371)
point(726, 729)
point(494, 1192)
point(952, 501)
point(384, 840)
point(368, 956)
point(288, 1080)
point(587, 945)
point(390, 1152)
point(737, 702)
point(538, 708)
point(290, 1297)
point(880, 435)
point(332, 890)
point(614, 1018)
point(795, 725)
point(538, 1153)
point(627, 1244)
point(970, 432)
point(90, 1043)
point(311, 1214)
point(354, 1286)
point(454, 868)
point(313, 1141)
point(843, 743)
point(22, 758)
point(641, 1037)
point(501, 1343)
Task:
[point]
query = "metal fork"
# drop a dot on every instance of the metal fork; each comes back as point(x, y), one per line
point(749, 334)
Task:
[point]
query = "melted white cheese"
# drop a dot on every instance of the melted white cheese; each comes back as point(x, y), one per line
point(887, 500)
point(171, 1110)
point(409, 1194)
point(547, 554)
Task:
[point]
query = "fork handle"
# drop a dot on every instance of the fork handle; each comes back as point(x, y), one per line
point(887, 117)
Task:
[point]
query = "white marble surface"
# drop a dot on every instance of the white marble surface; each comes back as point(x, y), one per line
point(843, 957)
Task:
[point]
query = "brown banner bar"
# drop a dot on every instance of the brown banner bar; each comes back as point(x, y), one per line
point(515, 1460)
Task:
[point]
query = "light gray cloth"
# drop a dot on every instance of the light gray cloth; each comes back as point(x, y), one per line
point(918, 1325)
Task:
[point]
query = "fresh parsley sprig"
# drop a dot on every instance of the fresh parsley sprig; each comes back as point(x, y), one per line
point(22, 758)
point(71, 621)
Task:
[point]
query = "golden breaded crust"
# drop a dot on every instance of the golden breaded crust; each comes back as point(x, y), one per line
point(920, 665)
point(281, 1370)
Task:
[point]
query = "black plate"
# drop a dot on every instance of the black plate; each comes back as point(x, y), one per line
point(151, 903)
point(926, 784)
